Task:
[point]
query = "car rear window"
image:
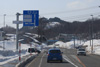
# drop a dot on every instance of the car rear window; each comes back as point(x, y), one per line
point(31, 50)
point(55, 51)
point(81, 49)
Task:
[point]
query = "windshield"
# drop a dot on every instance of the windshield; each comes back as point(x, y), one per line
point(49, 33)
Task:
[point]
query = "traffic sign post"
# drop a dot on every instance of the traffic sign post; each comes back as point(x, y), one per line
point(30, 18)
point(17, 22)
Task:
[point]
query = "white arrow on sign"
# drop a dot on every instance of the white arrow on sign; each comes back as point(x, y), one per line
point(17, 22)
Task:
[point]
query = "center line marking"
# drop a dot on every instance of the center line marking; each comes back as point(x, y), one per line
point(80, 61)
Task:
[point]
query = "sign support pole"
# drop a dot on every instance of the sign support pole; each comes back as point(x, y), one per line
point(17, 26)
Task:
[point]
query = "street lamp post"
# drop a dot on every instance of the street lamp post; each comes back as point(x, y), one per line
point(4, 30)
point(4, 19)
point(74, 40)
point(92, 34)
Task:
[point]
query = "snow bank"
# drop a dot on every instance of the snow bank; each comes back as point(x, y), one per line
point(11, 52)
point(96, 46)
point(11, 36)
point(70, 44)
point(61, 44)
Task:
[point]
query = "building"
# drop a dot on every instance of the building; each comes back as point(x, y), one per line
point(65, 37)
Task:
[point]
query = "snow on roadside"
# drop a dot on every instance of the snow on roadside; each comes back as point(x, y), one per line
point(10, 58)
point(70, 45)
point(10, 52)
point(96, 46)
point(61, 44)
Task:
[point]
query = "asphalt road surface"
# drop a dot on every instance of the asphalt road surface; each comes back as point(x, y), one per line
point(70, 59)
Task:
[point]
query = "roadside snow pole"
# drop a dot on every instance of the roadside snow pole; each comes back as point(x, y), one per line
point(19, 51)
point(30, 49)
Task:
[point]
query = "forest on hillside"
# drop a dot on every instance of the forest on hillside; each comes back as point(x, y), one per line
point(76, 27)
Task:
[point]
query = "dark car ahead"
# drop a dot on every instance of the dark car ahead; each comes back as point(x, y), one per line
point(54, 54)
point(31, 50)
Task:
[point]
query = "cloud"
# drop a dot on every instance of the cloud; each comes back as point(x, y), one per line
point(90, 0)
point(76, 4)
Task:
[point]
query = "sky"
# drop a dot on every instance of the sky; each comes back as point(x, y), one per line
point(68, 10)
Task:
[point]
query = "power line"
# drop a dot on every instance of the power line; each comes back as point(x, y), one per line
point(93, 7)
point(81, 16)
point(71, 10)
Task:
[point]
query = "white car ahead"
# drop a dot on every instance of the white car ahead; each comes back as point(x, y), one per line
point(81, 51)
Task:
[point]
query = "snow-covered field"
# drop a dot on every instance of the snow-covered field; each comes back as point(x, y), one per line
point(70, 45)
point(10, 53)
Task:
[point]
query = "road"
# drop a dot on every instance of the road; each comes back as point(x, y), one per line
point(70, 59)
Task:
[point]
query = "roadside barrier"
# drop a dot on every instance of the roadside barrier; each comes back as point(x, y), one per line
point(26, 61)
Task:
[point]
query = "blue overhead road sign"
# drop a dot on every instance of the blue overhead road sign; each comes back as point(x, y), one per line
point(30, 18)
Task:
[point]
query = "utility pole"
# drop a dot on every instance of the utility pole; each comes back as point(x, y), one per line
point(92, 34)
point(3, 31)
point(17, 22)
point(74, 41)
point(80, 38)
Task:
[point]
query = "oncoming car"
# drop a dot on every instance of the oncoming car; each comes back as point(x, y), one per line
point(31, 50)
point(54, 54)
point(81, 51)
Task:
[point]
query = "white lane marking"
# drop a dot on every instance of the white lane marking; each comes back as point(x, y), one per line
point(41, 60)
point(67, 59)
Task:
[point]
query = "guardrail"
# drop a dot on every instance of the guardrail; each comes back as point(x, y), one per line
point(25, 62)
